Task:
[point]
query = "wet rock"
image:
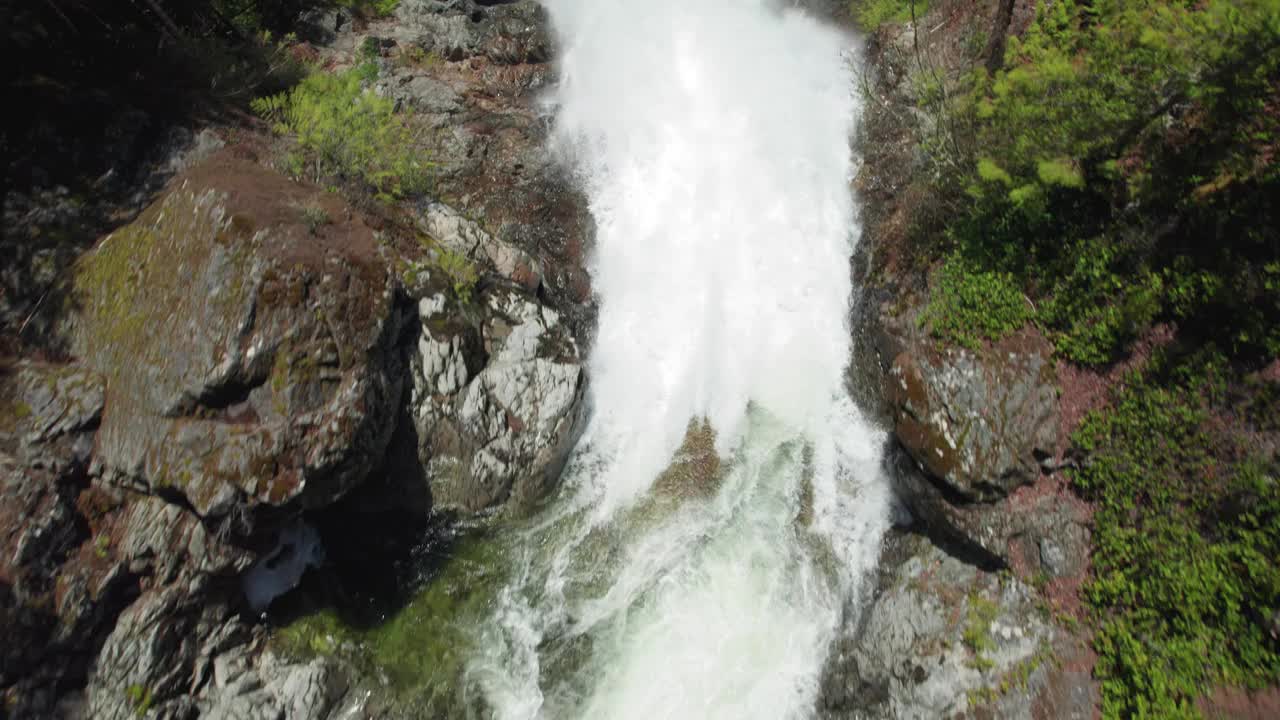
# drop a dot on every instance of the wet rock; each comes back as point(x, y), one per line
point(496, 402)
point(245, 363)
point(981, 423)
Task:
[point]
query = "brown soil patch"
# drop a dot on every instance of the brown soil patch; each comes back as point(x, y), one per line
point(1087, 389)
point(1238, 704)
point(269, 200)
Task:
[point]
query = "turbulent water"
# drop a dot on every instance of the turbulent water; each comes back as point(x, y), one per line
point(713, 137)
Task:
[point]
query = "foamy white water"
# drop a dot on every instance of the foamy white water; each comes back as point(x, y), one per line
point(714, 140)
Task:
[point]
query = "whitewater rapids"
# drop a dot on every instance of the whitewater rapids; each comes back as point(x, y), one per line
point(713, 141)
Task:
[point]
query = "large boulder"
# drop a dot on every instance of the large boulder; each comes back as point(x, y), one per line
point(496, 400)
point(250, 358)
point(980, 423)
point(977, 434)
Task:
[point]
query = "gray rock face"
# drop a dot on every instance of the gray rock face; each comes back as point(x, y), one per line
point(153, 655)
point(981, 424)
point(506, 33)
point(451, 230)
point(943, 639)
point(496, 403)
point(245, 687)
point(54, 598)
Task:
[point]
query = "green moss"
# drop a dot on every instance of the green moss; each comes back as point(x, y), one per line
point(140, 698)
point(136, 283)
point(422, 648)
point(977, 628)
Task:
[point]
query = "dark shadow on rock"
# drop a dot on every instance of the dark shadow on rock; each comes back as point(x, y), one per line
point(926, 499)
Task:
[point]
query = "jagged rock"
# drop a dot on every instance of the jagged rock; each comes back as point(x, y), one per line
point(943, 639)
point(981, 423)
point(506, 33)
point(267, 688)
point(246, 362)
point(458, 234)
point(164, 540)
point(496, 403)
point(1010, 531)
point(160, 649)
point(59, 400)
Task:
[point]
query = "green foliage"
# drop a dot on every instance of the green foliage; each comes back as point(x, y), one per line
point(1187, 534)
point(968, 304)
point(314, 217)
point(376, 8)
point(977, 628)
point(1120, 167)
point(459, 271)
point(871, 14)
point(343, 129)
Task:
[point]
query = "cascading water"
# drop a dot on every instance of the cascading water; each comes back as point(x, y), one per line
point(713, 138)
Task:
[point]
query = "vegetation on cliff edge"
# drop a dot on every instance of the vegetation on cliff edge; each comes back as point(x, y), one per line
point(1116, 169)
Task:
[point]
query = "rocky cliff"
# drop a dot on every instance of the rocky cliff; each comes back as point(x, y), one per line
point(253, 356)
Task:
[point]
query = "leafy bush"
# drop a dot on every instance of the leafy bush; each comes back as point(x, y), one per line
point(459, 271)
point(968, 304)
point(1120, 166)
point(1186, 540)
point(343, 129)
point(871, 14)
point(376, 8)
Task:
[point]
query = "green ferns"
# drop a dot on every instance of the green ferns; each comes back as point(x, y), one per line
point(345, 130)
point(1187, 537)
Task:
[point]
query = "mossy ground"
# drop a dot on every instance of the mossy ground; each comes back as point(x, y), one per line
point(421, 648)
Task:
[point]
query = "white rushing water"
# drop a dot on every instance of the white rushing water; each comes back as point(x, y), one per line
point(714, 140)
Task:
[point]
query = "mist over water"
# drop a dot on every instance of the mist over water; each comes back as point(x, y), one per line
point(713, 138)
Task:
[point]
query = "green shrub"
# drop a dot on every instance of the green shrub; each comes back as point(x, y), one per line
point(968, 304)
point(1187, 533)
point(314, 217)
point(343, 129)
point(871, 14)
point(459, 271)
point(376, 8)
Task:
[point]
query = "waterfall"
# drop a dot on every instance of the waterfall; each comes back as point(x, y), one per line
point(725, 501)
